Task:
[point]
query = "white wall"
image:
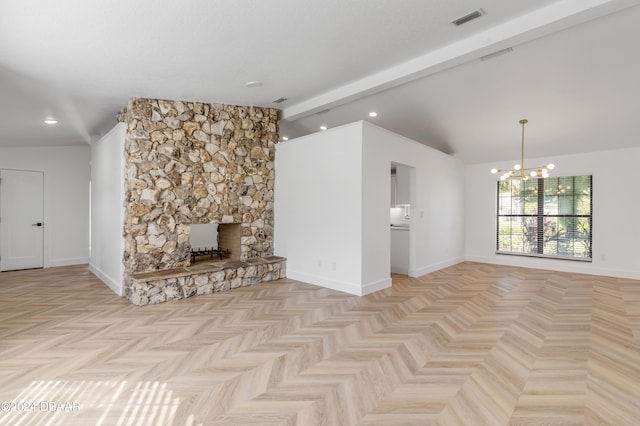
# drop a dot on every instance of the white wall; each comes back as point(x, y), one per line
point(107, 210)
point(616, 203)
point(317, 207)
point(436, 235)
point(332, 207)
point(66, 198)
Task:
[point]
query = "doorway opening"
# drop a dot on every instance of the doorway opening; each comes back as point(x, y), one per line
point(401, 197)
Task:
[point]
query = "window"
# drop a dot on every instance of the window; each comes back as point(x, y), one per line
point(545, 217)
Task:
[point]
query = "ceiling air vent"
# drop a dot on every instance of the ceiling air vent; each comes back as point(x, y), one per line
point(494, 54)
point(468, 17)
point(324, 111)
point(279, 100)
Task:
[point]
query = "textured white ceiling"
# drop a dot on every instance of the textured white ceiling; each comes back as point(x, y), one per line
point(80, 61)
point(579, 89)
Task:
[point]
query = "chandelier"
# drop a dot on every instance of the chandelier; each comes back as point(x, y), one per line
point(519, 170)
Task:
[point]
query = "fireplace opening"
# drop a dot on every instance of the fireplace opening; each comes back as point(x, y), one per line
point(212, 241)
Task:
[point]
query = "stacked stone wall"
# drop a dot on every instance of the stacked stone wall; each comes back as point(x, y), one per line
point(189, 163)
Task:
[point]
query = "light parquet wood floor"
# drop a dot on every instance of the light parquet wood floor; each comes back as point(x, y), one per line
point(471, 344)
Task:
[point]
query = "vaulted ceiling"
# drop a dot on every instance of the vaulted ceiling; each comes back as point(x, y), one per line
point(571, 68)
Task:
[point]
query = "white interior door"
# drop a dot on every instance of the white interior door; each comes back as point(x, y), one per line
point(21, 220)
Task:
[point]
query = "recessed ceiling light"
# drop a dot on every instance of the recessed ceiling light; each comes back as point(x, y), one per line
point(51, 121)
point(284, 138)
point(373, 114)
point(323, 127)
point(253, 84)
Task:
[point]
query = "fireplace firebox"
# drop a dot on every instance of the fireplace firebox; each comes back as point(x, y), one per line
point(215, 240)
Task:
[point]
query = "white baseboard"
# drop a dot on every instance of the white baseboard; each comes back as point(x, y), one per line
point(52, 263)
point(345, 287)
point(110, 282)
point(376, 286)
point(417, 272)
point(551, 265)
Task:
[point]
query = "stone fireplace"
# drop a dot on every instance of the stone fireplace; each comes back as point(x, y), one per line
point(195, 163)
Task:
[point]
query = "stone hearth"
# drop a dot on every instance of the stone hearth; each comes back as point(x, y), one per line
point(204, 277)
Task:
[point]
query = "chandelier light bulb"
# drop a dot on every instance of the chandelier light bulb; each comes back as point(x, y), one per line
point(520, 171)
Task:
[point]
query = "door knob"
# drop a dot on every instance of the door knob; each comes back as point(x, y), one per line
point(37, 224)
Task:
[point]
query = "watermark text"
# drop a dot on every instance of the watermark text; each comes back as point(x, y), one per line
point(39, 406)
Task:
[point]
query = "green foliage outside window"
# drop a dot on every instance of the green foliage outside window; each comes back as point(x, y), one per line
point(545, 217)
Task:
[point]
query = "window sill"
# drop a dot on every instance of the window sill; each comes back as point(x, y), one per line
point(546, 256)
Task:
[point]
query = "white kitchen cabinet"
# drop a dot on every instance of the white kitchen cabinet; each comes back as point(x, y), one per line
point(400, 250)
point(394, 187)
point(402, 185)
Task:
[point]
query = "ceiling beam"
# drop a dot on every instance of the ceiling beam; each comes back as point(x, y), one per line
point(538, 23)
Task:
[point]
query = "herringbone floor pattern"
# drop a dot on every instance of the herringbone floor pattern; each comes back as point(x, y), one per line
point(472, 344)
